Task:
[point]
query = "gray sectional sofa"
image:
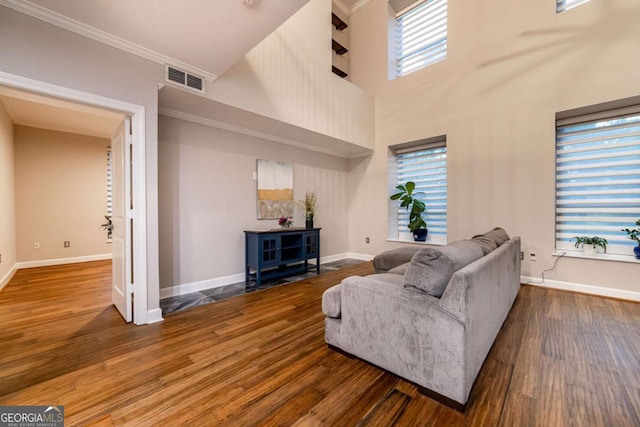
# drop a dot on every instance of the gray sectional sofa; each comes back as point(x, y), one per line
point(406, 321)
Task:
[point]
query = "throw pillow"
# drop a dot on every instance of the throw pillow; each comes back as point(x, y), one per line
point(431, 269)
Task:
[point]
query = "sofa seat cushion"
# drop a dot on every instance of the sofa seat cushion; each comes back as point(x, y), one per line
point(392, 258)
point(331, 303)
point(431, 269)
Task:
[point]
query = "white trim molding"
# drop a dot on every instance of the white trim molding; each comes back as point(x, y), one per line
point(339, 4)
point(60, 261)
point(359, 5)
point(69, 24)
point(154, 316)
point(584, 289)
point(201, 285)
point(7, 277)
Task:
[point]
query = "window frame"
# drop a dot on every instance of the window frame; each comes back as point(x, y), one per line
point(433, 9)
point(397, 230)
point(601, 128)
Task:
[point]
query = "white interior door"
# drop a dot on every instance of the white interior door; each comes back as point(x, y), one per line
point(122, 283)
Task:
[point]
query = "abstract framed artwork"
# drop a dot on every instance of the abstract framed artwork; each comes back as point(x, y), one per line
point(275, 189)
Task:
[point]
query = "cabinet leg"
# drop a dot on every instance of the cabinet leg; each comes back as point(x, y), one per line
point(318, 265)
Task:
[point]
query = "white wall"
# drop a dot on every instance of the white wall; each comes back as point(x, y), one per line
point(7, 196)
point(288, 77)
point(61, 194)
point(43, 52)
point(511, 66)
point(208, 197)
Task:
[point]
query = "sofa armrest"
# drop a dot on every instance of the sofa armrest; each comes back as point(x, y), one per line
point(331, 304)
point(405, 331)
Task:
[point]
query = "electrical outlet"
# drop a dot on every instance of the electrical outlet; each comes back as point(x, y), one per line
point(36, 245)
point(366, 240)
point(532, 256)
point(521, 256)
point(67, 243)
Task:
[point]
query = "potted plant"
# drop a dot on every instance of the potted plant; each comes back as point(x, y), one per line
point(309, 207)
point(108, 226)
point(416, 207)
point(590, 244)
point(635, 236)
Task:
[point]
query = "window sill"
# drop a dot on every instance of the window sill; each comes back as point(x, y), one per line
point(413, 242)
point(599, 257)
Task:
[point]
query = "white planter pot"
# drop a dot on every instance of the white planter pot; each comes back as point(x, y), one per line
point(589, 250)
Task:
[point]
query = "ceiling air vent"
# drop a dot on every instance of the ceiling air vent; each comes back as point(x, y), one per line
point(185, 79)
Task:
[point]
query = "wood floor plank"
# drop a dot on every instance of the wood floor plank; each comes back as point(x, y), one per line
point(261, 359)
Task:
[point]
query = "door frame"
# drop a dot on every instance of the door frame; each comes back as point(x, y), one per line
point(137, 114)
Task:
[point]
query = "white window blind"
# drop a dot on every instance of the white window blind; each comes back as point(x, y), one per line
point(427, 167)
point(562, 5)
point(598, 177)
point(109, 182)
point(421, 36)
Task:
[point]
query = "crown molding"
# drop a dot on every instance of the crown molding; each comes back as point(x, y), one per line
point(98, 35)
point(359, 5)
point(243, 130)
point(339, 4)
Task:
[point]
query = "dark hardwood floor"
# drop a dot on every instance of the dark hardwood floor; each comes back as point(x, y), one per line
point(260, 359)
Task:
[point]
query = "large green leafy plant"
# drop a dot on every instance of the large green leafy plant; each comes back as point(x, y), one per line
point(409, 201)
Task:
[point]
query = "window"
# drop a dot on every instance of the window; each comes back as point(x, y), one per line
point(421, 36)
point(598, 177)
point(426, 165)
point(562, 5)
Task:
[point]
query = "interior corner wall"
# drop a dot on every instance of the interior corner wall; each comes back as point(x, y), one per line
point(288, 77)
point(43, 52)
point(61, 194)
point(511, 67)
point(7, 196)
point(208, 197)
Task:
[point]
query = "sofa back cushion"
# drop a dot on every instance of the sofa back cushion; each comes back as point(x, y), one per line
point(486, 243)
point(430, 269)
point(498, 235)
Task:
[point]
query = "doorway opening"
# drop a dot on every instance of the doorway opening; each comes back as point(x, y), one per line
point(127, 121)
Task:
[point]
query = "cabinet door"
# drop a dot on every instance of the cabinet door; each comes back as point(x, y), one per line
point(311, 245)
point(270, 250)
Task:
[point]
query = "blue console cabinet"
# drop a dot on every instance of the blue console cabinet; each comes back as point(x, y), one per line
point(283, 252)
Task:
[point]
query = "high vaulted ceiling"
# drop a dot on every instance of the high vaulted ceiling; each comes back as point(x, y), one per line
point(208, 35)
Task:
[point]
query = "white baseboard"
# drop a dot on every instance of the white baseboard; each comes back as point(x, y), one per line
point(585, 289)
point(7, 277)
point(202, 285)
point(361, 257)
point(154, 316)
point(60, 261)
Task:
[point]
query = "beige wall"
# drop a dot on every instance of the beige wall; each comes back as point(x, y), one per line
point(208, 197)
point(40, 51)
point(61, 194)
point(511, 66)
point(7, 195)
point(288, 77)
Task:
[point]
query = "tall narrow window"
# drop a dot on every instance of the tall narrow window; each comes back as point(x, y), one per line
point(421, 36)
point(562, 5)
point(426, 165)
point(598, 177)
